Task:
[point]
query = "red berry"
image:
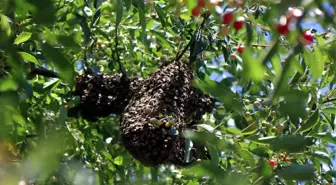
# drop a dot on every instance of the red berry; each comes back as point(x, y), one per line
point(201, 3)
point(271, 162)
point(283, 29)
point(224, 30)
point(281, 126)
point(307, 37)
point(99, 43)
point(153, 15)
point(295, 12)
point(196, 11)
point(207, 12)
point(227, 17)
point(233, 56)
point(240, 49)
point(239, 23)
point(273, 113)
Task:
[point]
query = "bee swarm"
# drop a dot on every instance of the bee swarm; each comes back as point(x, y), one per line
point(154, 112)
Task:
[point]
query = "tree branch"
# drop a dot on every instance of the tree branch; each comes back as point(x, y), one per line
point(44, 72)
point(329, 100)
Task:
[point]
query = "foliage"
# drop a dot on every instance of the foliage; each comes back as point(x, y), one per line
point(275, 99)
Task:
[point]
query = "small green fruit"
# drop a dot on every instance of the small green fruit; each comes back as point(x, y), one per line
point(226, 66)
point(256, 103)
point(156, 122)
point(169, 124)
point(273, 113)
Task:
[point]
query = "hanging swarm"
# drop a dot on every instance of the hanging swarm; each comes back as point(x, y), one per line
point(154, 112)
point(102, 95)
point(168, 94)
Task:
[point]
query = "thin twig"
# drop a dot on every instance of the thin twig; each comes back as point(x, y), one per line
point(179, 56)
point(329, 100)
point(122, 70)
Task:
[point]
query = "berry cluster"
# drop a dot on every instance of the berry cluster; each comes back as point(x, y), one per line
point(227, 19)
point(196, 12)
point(285, 22)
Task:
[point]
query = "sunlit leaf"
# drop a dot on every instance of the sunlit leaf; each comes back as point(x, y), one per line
point(8, 84)
point(30, 58)
point(252, 69)
point(329, 110)
point(315, 61)
point(118, 160)
point(251, 129)
point(23, 37)
point(210, 129)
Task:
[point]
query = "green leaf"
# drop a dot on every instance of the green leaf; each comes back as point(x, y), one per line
point(297, 172)
point(233, 130)
point(326, 136)
point(62, 116)
point(249, 33)
point(44, 12)
point(210, 129)
point(61, 63)
point(161, 15)
point(5, 26)
point(213, 153)
point(315, 61)
point(120, 9)
point(23, 37)
point(322, 157)
point(261, 140)
point(30, 58)
point(332, 173)
point(270, 53)
point(108, 156)
point(142, 23)
point(191, 4)
point(96, 18)
point(252, 69)
point(290, 143)
point(317, 67)
point(206, 137)
point(118, 160)
point(282, 81)
point(329, 110)
point(294, 105)
point(220, 91)
point(261, 151)
point(247, 156)
point(50, 83)
point(251, 129)
point(128, 4)
point(8, 84)
point(310, 122)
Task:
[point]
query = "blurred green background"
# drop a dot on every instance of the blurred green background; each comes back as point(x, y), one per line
point(273, 123)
